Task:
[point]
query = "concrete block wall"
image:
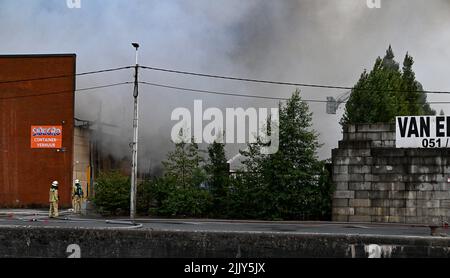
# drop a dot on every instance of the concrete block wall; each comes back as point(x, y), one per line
point(375, 182)
point(51, 242)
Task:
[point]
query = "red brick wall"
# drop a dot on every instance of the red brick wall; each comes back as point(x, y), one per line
point(25, 173)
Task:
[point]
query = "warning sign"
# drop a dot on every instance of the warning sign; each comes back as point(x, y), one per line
point(46, 137)
point(423, 132)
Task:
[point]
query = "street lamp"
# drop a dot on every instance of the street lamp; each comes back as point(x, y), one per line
point(134, 168)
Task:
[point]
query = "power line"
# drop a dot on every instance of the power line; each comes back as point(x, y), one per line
point(219, 77)
point(209, 92)
point(65, 76)
point(183, 89)
point(68, 91)
point(246, 79)
point(241, 95)
point(103, 86)
point(283, 83)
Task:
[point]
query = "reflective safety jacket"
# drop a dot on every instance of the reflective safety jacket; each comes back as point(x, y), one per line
point(53, 195)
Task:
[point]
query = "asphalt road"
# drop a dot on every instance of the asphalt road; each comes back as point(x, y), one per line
point(68, 220)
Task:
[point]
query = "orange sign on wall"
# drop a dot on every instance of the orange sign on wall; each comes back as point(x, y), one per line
point(46, 137)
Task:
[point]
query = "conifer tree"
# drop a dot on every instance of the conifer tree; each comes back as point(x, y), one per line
point(386, 92)
point(287, 184)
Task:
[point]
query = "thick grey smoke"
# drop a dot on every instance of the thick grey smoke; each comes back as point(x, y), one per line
point(308, 41)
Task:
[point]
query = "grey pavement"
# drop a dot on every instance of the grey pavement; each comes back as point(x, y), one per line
point(39, 218)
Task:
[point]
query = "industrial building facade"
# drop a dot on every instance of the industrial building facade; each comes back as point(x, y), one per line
point(36, 128)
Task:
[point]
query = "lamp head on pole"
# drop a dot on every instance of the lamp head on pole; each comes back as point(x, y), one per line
point(135, 45)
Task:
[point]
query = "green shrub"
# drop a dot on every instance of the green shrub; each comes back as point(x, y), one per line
point(144, 197)
point(112, 193)
point(171, 199)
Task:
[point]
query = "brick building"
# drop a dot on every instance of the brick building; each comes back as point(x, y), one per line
point(36, 128)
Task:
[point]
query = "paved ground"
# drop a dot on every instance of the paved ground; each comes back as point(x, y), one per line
point(67, 219)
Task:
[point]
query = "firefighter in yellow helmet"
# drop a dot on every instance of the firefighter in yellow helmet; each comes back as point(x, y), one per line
point(77, 196)
point(54, 198)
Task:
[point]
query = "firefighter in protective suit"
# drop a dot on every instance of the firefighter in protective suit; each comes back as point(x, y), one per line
point(77, 196)
point(54, 198)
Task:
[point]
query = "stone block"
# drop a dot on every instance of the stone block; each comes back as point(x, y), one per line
point(343, 211)
point(380, 219)
point(421, 160)
point(433, 195)
point(368, 160)
point(388, 152)
point(397, 194)
point(359, 169)
point(389, 143)
point(387, 177)
point(392, 186)
point(377, 144)
point(341, 178)
point(363, 211)
point(354, 144)
point(341, 186)
point(427, 152)
point(425, 178)
point(349, 136)
point(362, 194)
point(413, 220)
point(378, 194)
point(414, 186)
point(428, 203)
point(396, 219)
point(409, 212)
point(359, 152)
point(411, 203)
point(340, 153)
point(359, 185)
point(340, 160)
point(388, 136)
point(376, 211)
point(340, 202)
point(411, 195)
point(445, 204)
point(441, 186)
point(360, 218)
point(378, 127)
point(340, 169)
point(344, 195)
point(363, 203)
point(373, 136)
point(368, 177)
point(349, 128)
point(360, 160)
point(397, 211)
point(388, 169)
point(385, 203)
point(425, 169)
point(394, 161)
point(356, 178)
point(433, 212)
point(397, 203)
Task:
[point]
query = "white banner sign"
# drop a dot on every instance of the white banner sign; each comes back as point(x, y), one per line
point(423, 132)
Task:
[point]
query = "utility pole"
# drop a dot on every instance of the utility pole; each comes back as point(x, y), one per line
point(134, 168)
